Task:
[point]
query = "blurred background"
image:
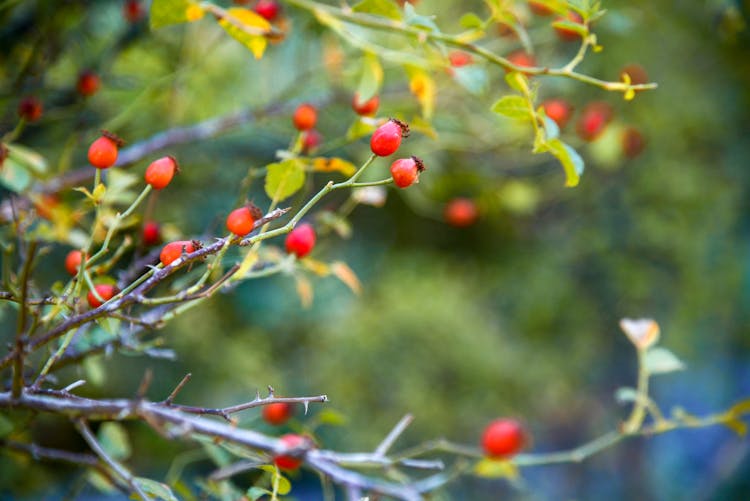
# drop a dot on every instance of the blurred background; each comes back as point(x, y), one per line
point(514, 315)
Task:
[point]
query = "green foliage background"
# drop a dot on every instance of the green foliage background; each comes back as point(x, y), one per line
point(516, 315)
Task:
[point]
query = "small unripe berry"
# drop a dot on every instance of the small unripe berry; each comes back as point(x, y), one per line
point(459, 58)
point(311, 139)
point(30, 109)
point(88, 83)
point(267, 9)
point(160, 173)
point(132, 11)
point(277, 413)
point(461, 212)
point(305, 117)
point(367, 108)
point(503, 438)
point(103, 151)
point(594, 120)
point(301, 240)
point(151, 233)
point(105, 291)
point(387, 138)
point(521, 58)
point(633, 142)
point(290, 462)
point(405, 171)
point(73, 262)
point(173, 250)
point(540, 8)
point(567, 34)
point(242, 221)
point(558, 110)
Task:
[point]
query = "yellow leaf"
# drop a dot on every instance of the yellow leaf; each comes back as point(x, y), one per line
point(248, 28)
point(423, 87)
point(496, 468)
point(629, 94)
point(194, 13)
point(304, 291)
point(342, 271)
point(318, 267)
point(322, 164)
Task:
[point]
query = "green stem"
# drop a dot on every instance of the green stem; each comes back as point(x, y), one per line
point(635, 420)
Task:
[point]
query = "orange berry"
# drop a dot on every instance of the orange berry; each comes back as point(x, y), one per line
point(305, 117)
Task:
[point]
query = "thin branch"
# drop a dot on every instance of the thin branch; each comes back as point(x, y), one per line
point(90, 439)
point(178, 388)
point(396, 432)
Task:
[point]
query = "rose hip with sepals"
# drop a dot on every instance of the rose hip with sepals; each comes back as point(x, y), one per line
point(160, 173)
point(387, 138)
point(173, 250)
point(503, 438)
point(301, 240)
point(103, 151)
point(405, 171)
point(105, 291)
point(277, 413)
point(242, 221)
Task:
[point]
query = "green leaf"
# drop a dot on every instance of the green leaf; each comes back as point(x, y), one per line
point(166, 12)
point(28, 159)
point(418, 21)
point(332, 417)
point(360, 128)
point(513, 107)
point(114, 440)
point(161, 491)
point(471, 20)
point(569, 158)
point(626, 394)
point(385, 8)
point(100, 482)
point(579, 28)
point(472, 78)
point(6, 426)
point(94, 370)
point(284, 485)
point(517, 81)
point(660, 360)
point(372, 77)
point(14, 176)
point(256, 493)
point(284, 179)
point(551, 129)
point(253, 23)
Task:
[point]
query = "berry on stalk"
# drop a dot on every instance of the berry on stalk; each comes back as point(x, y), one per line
point(105, 291)
point(301, 240)
point(405, 171)
point(173, 250)
point(367, 108)
point(103, 151)
point(242, 221)
point(160, 173)
point(73, 262)
point(305, 117)
point(503, 438)
point(267, 9)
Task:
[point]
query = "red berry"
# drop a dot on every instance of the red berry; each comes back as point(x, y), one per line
point(30, 109)
point(105, 291)
point(503, 438)
point(566, 34)
point(290, 462)
point(521, 58)
point(160, 173)
point(73, 262)
point(366, 109)
point(305, 117)
point(132, 11)
point(268, 9)
point(633, 142)
point(636, 72)
point(461, 212)
point(88, 83)
point(594, 120)
point(405, 171)
point(311, 139)
point(242, 221)
point(103, 151)
point(540, 8)
point(458, 58)
point(558, 110)
point(300, 241)
point(387, 138)
point(277, 413)
point(151, 233)
point(173, 250)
